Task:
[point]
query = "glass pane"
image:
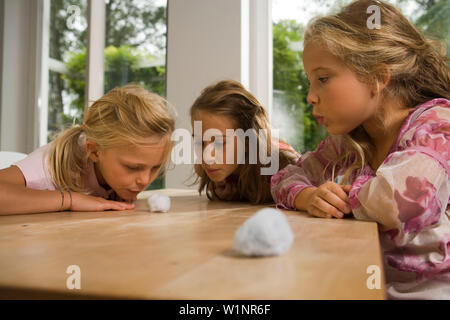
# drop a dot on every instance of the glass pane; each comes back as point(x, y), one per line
point(291, 113)
point(135, 47)
point(67, 63)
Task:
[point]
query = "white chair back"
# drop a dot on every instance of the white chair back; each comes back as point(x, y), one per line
point(7, 158)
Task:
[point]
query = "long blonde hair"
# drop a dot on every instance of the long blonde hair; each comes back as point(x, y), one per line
point(125, 115)
point(229, 98)
point(418, 67)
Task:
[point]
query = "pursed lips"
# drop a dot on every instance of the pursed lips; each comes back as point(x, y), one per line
point(319, 119)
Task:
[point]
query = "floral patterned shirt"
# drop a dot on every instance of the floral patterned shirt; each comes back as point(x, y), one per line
point(408, 196)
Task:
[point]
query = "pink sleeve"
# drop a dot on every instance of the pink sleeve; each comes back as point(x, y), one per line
point(312, 169)
point(35, 171)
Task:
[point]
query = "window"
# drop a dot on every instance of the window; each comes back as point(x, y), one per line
point(291, 113)
point(135, 44)
point(134, 52)
point(66, 62)
point(135, 48)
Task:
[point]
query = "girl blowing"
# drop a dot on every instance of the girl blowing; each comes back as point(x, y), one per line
point(383, 96)
point(228, 106)
point(117, 151)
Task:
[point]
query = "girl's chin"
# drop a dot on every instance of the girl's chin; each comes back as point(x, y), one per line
point(336, 131)
point(215, 179)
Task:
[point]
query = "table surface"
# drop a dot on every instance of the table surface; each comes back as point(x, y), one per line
point(183, 254)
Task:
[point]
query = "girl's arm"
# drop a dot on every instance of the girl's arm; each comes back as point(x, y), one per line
point(15, 198)
point(409, 193)
point(311, 170)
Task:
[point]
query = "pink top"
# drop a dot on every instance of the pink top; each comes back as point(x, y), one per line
point(408, 196)
point(37, 175)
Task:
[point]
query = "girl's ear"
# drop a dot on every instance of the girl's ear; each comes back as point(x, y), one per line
point(92, 150)
point(382, 76)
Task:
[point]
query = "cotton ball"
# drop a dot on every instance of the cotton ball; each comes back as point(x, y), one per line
point(266, 233)
point(159, 202)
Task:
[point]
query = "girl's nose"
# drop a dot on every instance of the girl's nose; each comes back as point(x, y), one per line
point(144, 178)
point(209, 154)
point(312, 98)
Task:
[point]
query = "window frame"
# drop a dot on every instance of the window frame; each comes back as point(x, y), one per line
point(94, 62)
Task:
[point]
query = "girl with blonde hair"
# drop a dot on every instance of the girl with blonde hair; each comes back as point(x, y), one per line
point(383, 96)
point(102, 164)
point(228, 106)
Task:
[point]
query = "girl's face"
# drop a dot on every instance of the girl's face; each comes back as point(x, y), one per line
point(340, 101)
point(216, 165)
point(128, 170)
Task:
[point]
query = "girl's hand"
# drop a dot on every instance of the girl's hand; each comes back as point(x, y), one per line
point(83, 202)
point(225, 190)
point(328, 200)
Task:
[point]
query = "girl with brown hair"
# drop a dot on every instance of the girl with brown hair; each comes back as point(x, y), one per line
point(229, 108)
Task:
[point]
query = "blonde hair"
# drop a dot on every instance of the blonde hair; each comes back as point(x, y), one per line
point(125, 115)
point(229, 98)
point(417, 66)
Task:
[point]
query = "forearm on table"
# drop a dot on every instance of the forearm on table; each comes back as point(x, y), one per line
point(16, 199)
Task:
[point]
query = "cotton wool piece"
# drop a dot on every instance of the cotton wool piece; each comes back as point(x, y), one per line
point(159, 202)
point(266, 233)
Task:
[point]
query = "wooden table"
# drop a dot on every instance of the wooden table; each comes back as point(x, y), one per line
point(184, 254)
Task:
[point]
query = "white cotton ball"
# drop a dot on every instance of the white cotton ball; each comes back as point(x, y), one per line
point(159, 202)
point(266, 233)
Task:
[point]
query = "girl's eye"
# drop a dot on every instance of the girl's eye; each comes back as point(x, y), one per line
point(132, 168)
point(323, 79)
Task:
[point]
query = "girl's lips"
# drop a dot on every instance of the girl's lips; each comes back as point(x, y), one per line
point(212, 171)
point(320, 120)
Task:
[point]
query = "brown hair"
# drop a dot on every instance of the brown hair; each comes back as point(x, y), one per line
point(124, 115)
point(417, 66)
point(229, 98)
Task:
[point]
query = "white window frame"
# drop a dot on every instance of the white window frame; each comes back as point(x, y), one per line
point(94, 62)
point(261, 52)
point(95, 51)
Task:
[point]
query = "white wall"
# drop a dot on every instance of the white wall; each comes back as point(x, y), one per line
point(204, 46)
point(19, 79)
point(208, 41)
